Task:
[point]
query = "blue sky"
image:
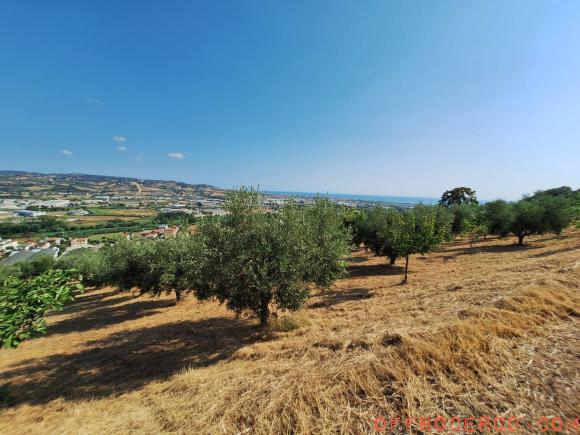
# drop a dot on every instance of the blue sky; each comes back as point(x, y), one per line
point(375, 97)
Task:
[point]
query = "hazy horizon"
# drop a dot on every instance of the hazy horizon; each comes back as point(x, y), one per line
point(393, 98)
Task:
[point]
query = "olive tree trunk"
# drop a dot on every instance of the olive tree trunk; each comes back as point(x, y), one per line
point(406, 268)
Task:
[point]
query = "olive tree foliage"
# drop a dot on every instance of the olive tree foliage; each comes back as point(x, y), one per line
point(382, 230)
point(562, 205)
point(459, 195)
point(399, 234)
point(421, 230)
point(254, 259)
point(474, 229)
point(528, 218)
point(498, 216)
point(465, 218)
point(326, 239)
point(89, 264)
point(24, 302)
point(540, 215)
point(557, 213)
point(126, 262)
point(154, 267)
point(355, 222)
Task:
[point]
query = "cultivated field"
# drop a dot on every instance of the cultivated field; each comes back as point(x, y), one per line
point(489, 331)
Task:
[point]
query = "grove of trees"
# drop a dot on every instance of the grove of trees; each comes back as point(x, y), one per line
point(544, 212)
point(400, 234)
point(254, 259)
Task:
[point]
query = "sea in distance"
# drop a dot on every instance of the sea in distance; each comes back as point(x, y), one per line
point(358, 197)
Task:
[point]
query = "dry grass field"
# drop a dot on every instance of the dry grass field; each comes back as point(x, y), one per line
point(489, 331)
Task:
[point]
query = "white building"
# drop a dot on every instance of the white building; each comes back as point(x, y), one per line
point(215, 211)
point(53, 203)
point(7, 244)
point(81, 242)
point(29, 213)
point(77, 212)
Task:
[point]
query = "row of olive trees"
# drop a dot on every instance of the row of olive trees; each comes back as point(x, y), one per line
point(399, 234)
point(251, 260)
point(528, 216)
point(550, 210)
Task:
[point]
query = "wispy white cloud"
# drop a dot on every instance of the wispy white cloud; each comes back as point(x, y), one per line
point(119, 139)
point(139, 157)
point(66, 152)
point(176, 155)
point(94, 101)
point(122, 148)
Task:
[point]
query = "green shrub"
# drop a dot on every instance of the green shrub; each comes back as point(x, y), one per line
point(38, 265)
point(286, 323)
point(23, 303)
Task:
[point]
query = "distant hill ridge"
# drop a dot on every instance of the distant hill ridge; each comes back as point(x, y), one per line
point(11, 173)
point(15, 182)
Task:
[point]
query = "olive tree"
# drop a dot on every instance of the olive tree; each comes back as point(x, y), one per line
point(498, 216)
point(383, 232)
point(173, 266)
point(254, 259)
point(355, 222)
point(396, 234)
point(464, 216)
point(528, 218)
point(326, 239)
point(89, 264)
point(557, 213)
point(126, 262)
point(419, 231)
point(165, 265)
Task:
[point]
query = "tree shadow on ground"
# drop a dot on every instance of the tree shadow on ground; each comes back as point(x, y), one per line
point(337, 297)
point(556, 251)
point(361, 270)
point(100, 317)
point(551, 237)
point(498, 249)
point(93, 300)
point(125, 361)
point(357, 259)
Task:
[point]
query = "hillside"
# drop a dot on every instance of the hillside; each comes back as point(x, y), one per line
point(491, 331)
point(20, 184)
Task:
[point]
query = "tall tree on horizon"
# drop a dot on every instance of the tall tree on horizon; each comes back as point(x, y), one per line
point(458, 196)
